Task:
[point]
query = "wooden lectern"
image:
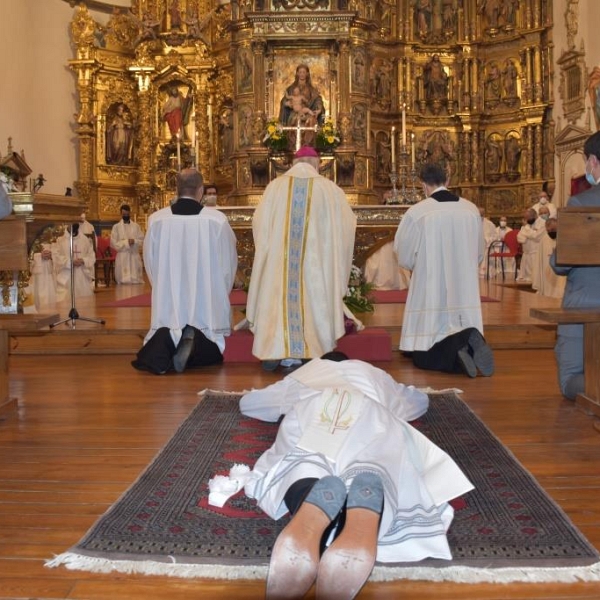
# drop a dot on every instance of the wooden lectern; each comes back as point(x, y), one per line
point(578, 243)
point(13, 257)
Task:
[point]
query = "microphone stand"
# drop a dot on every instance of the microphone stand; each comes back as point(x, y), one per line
point(73, 314)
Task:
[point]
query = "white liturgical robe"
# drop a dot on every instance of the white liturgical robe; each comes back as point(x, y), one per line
point(128, 263)
point(304, 241)
point(419, 479)
point(191, 262)
point(442, 243)
point(543, 278)
point(382, 270)
point(529, 237)
point(44, 279)
point(84, 274)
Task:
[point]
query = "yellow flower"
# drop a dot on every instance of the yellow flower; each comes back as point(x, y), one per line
point(271, 129)
point(330, 139)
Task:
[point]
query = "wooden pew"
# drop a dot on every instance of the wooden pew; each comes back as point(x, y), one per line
point(578, 243)
point(13, 257)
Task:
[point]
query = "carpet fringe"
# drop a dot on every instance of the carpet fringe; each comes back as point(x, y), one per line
point(79, 562)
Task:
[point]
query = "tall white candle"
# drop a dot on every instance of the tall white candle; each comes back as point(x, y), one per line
point(412, 146)
point(403, 126)
point(178, 153)
point(393, 144)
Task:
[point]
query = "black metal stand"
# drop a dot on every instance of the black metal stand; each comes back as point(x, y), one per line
point(73, 314)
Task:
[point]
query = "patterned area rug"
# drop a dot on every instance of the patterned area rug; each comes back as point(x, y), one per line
point(508, 529)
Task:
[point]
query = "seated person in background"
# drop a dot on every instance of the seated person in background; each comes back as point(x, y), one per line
point(545, 280)
point(84, 260)
point(190, 257)
point(532, 229)
point(333, 468)
point(210, 195)
point(502, 228)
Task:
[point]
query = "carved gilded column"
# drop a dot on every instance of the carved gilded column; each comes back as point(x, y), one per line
point(475, 156)
point(202, 125)
point(537, 70)
point(539, 146)
point(530, 153)
point(145, 181)
point(344, 75)
point(258, 50)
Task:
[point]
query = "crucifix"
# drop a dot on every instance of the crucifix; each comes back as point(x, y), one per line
point(299, 128)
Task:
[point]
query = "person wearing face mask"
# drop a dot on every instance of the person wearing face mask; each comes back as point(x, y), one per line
point(544, 201)
point(210, 195)
point(529, 236)
point(582, 289)
point(126, 238)
point(544, 280)
point(502, 228)
point(84, 259)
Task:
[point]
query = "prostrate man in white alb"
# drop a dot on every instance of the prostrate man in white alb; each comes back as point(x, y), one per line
point(84, 260)
point(191, 260)
point(304, 241)
point(126, 238)
point(327, 462)
point(441, 241)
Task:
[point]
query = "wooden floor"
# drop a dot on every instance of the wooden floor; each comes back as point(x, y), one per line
point(87, 424)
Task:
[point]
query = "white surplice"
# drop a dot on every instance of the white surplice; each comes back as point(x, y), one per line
point(382, 270)
point(304, 241)
point(442, 243)
point(489, 236)
point(128, 263)
point(84, 275)
point(543, 277)
point(529, 237)
point(419, 478)
point(44, 279)
point(191, 262)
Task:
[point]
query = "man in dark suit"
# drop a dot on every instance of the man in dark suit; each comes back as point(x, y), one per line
point(582, 289)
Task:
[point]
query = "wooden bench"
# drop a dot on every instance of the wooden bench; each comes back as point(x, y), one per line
point(13, 257)
point(578, 243)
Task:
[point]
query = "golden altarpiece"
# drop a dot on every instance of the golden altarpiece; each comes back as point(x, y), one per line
point(171, 83)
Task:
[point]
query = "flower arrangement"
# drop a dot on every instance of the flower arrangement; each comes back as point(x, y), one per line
point(328, 137)
point(357, 296)
point(275, 137)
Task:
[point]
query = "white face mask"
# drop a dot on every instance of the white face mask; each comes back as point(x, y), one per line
point(543, 200)
point(502, 223)
point(209, 199)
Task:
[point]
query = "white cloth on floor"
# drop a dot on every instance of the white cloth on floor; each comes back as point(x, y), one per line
point(382, 270)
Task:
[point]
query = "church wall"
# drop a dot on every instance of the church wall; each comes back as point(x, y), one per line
point(570, 164)
point(38, 103)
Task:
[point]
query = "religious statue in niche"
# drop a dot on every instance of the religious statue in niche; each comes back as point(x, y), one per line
point(493, 156)
point(509, 79)
point(244, 60)
point(175, 14)
point(359, 123)
point(245, 114)
point(359, 74)
point(119, 135)
point(423, 12)
point(382, 85)
point(383, 157)
point(176, 110)
point(436, 147)
point(301, 104)
point(493, 84)
point(449, 16)
point(512, 151)
point(435, 80)
point(492, 10)
point(225, 133)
